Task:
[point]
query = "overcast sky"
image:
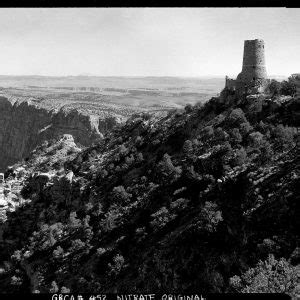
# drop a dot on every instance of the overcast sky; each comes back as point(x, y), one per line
point(145, 41)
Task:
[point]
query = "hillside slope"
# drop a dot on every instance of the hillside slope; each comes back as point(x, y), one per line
point(187, 202)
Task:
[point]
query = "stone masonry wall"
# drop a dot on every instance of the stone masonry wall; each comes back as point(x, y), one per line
point(229, 83)
point(253, 63)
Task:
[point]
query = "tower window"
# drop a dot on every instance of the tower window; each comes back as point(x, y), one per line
point(253, 78)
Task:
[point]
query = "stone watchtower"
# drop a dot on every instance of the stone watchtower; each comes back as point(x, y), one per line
point(253, 73)
point(253, 77)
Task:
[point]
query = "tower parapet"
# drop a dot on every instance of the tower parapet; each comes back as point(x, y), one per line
point(229, 83)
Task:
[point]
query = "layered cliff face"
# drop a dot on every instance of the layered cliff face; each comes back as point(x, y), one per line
point(24, 125)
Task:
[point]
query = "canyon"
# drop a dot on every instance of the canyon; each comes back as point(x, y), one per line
point(34, 109)
point(24, 125)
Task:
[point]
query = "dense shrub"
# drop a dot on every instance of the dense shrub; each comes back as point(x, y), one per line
point(235, 136)
point(274, 87)
point(74, 222)
point(116, 266)
point(288, 88)
point(256, 139)
point(283, 136)
point(58, 252)
point(15, 280)
point(120, 196)
point(187, 147)
point(77, 245)
point(240, 157)
point(161, 218)
point(65, 290)
point(54, 287)
point(168, 171)
point(269, 276)
point(209, 217)
point(245, 128)
point(236, 117)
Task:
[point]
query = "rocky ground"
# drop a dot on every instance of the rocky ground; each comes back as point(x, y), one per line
point(54, 154)
point(201, 199)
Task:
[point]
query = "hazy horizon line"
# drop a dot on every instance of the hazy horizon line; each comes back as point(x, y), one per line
point(135, 76)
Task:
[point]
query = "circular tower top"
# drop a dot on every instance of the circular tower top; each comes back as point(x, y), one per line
point(254, 54)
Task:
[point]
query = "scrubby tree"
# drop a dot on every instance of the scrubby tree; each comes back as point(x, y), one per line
point(77, 245)
point(220, 134)
point(74, 223)
point(262, 127)
point(113, 218)
point(235, 136)
point(266, 152)
point(236, 117)
point(123, 150)
point(274, 87)
point(208, 131)
point(288, 88)
point(101, 251)
point(240, 157)
point(179, 204)
point(54, 287)
point(187, 147)
point(168, 170)
point(17, 255)
point(138, 141)
point(139, 157)
point(58, 252)
point(65, 290)
point(188, 108)
point(161, 218)
point(120, 196)
point(256, 139)
point(283, 136)
point(269, 276)
point(129, 160)
point(245, 128)
point(209, 217)
point(116, 266)
point(16, 280)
